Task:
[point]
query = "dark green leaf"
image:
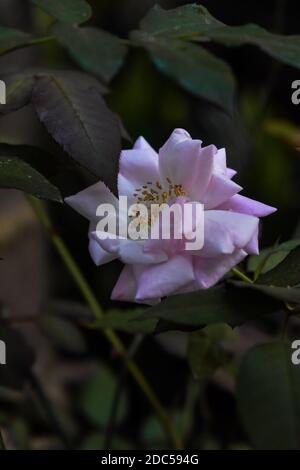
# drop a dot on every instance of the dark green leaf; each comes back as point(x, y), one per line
point(17, 173)
point(76, 115)
point(67, 11)
point(286, 294)
point(215, 305)
point(126, 321)
point(287, 273)
point(97, 397)
point(194, 22)
point(181, 21)
point(93, 49)
point(12, 38)
point(268, 397)
point(193, 67)
point(64, 334)
point(205, 354)
point(283, 48)
point(270, 257)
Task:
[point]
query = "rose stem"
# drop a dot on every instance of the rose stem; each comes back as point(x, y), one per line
point(111, 336)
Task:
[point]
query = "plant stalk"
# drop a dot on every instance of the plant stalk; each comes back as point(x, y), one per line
point(111, 336)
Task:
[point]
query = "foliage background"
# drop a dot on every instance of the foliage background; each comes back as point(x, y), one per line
point(61, 387)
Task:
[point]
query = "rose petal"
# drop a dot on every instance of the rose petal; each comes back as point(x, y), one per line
point(87, 201)
point(125, 288)
point(209, 271)
point(137, 167)
point(183, 161)
point(245, 205)
point(164, 279)
point(219, 190)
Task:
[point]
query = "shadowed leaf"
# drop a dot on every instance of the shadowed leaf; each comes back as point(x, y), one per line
point(286, 294)
point(76, 115)
point(205, 354)
point(192, 66)
point(97, 397)
point(215, 305)
point(268, 397)
point(67, 11)
point(12, 38)
point(17, 172)
point(93, 49)
point(181, 21)
point(286, 273)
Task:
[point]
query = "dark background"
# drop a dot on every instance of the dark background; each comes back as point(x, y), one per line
point(33, 279)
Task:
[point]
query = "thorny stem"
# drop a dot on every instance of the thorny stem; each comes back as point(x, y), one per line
point(111, 336)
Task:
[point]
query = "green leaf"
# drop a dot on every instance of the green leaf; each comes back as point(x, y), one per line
point(205, 354)
point(67, 11)
point(283, 48)
point(270, 257)
point(12, 38)
point(286, 294)
point(193, 67)
point(64, 334)
point(125, 320)
point(194, 22)
point(268, 397)
point(219, 304)
point(77, 117)
point(181, 21)
point(93, 49)
point(97, 398)
point(17, 173)
point(287, 273)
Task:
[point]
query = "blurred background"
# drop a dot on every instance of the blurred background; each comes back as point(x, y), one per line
point(79, 376)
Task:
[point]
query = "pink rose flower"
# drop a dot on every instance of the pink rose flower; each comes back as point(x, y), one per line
point(158, 268)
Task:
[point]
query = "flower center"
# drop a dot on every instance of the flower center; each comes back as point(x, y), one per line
point(155, 193)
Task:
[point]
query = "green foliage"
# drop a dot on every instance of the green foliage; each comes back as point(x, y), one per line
point(285, 294)
point(77, 117)
point(193, 67)
point(268, 397)
point(67, 11)
point(97, 396)
point(94, 50)
point(17, 173)
point(270, 257)
point(286, 273)
point(194, 22)
point(12, 38)
point(128, 321)
point(205, 353)
point(179, 22)
point(283, 48)
point(216, 305)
